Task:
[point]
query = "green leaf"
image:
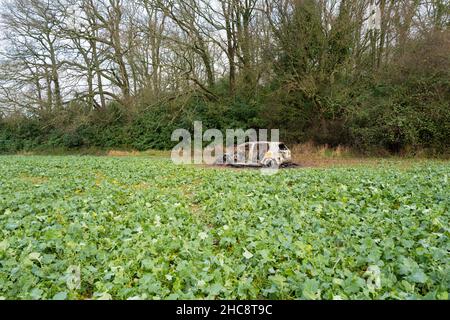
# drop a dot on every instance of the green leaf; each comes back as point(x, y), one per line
point(103, 296)
point(60, 296)
point(311, 289)
point(418, 276)
point(215, 289)
point(36, 293)
point(4, 245)
point(247, 254)
point(34, 256)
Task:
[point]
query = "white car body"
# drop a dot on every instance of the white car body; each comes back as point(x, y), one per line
point(258, 154)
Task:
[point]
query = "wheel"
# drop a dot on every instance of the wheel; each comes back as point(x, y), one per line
point(271, 163)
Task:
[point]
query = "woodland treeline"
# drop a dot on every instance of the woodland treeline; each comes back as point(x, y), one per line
point(368, 74)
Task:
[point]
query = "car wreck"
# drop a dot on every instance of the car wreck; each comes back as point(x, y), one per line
point(266, 154)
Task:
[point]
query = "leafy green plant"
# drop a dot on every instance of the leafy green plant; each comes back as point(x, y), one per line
point(140, 228)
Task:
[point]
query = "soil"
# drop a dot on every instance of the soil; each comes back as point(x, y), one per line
point(290, 165)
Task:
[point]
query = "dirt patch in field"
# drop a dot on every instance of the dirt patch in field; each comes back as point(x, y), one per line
point(141, 186)
point(119, 153)
point(317, 162)
point(308, 162)
point(34, 180)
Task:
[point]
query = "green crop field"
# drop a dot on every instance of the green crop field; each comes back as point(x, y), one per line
point(141, 228)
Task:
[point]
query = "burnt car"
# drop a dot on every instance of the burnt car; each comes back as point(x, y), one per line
point(257, 154)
